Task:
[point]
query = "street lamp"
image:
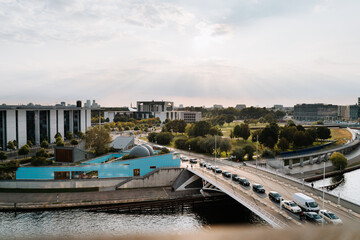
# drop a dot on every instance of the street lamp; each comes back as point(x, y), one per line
point(189, 150)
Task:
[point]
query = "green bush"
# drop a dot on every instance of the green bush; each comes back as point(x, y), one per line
point(44, 144)
point(267, 153)
point(3, 156)
point(164, 151)
point(127, 156)
point(40, 161)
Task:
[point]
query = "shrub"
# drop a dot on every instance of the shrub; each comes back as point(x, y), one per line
point(40, 161)
point(164, 138)
point(180, 143)
point(338, 160)
point(69, 135)
point(267, 153)
point(3, 156)
point(74, 142)
point(128, 156)
point(41, 153)
point(164, 151)
point(44, 144)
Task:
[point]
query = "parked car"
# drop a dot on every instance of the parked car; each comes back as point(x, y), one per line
point(305, 202)
point(258, 188)
point(313, 217)
point(244, 182)
point(330, 217)
point(226, 174)
point(235, 177)
point(218, 170)
point(193, 160)
point(291, 206)
point(275, 197)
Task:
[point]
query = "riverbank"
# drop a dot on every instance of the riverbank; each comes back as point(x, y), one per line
point(50, 201)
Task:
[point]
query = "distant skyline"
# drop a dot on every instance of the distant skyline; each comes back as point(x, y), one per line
point(206, 52)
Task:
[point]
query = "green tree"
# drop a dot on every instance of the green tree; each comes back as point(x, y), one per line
point(215, 131)
point(244, 131)
point(238, 153)
point(323, 133)
point(300, 139)
point(237, 131)
point(29, 143)
point(80, 135)
point(288, 133)
point(164, 138)
point(10, 145)
point(98, 138)
point(44, 144)
point(24, 150)
point(177, 126)
point(269, 135)
point(41, 153)
point(255, 135)
point(69, 135)
point(232, 134)
point(151, 137)
point(3, 156)
point(164, 151)
point(193, 143)
point(283, 144)
point(74, 142)
point(200, 128)
point(57, 135)
point(249, 150)
point(338, 160)
point(180, 143)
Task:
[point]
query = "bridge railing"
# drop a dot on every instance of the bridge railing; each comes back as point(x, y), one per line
point(229, 189)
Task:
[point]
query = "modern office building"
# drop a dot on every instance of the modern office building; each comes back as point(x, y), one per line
point(153, 109)
point(36, 122)
point(240, 106)
point(315, 112)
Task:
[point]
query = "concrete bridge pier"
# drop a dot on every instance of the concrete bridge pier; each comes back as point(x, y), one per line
point(311, 160)
point(302, 162)
point(290, 163)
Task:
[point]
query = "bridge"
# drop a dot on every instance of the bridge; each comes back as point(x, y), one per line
point(316, 157)
point(260, 204)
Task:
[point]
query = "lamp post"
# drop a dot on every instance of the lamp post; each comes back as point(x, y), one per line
point(189, 150)
point(257, 146)
point(323, 192)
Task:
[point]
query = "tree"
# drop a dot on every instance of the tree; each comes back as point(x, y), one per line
point(3, 156)
point(232, 134)
point(10, 145)
point(74, 142)
point(244, 131)
point(323, 133)
point(164, 138)
point(215, 131)
point(288, 132)
point(59, 142)
point(225, 145)
point(151, 137)
point(44, 144)
point(29, 143)
point(269, 135)
point(164, 151)
point(57, 135)
point(249, 150)
point(41, 153)
point(238, 153)
point(338, 160)
point(177, 126)
point(69, 135)
point(98, 138)
point(237, 131)
point(200, 128)
point(24, 150)
point(255, 135)
point(80, 135)
point(300, 139)
point(180, 143)
point(283, 144)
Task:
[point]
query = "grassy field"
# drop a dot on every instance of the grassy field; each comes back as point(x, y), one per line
point(341, 135)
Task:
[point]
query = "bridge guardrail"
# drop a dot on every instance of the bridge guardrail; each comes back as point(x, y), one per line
point(275, 222)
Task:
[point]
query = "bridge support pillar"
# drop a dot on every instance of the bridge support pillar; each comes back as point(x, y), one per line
point(311, 160)
point(326, 157)
point(290, 163)
point(302, 162)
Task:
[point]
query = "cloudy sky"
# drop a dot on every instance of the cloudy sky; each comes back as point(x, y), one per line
point(203, 52)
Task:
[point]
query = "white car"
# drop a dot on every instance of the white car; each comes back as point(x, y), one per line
point(330, 217)
point(185, 159)
point(291, 206)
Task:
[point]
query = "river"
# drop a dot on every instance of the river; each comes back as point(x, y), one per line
point(349, 189)
point(82, 223)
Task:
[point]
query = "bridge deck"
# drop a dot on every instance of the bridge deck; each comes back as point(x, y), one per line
point(260, 204)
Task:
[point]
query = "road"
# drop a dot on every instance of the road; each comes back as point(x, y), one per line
point(271, 183)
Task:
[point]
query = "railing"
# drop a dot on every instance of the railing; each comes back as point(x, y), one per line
point(229, 189)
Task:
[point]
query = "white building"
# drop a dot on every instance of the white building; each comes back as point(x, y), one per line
point(36, 122)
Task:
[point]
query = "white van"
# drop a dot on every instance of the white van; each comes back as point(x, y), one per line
point(306, 203)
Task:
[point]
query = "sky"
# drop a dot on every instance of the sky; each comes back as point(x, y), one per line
point(195, 53)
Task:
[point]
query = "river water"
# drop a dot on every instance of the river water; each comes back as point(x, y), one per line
point(349, 189)
point(82, 223)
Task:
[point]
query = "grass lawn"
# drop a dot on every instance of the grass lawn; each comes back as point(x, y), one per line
point(341, 135)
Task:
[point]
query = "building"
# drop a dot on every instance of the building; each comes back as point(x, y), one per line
point(218, 106)
point(240, 106)
point(354, 112)
point(315, 112)
point(153, 109)
point(123, 143)
point(36, 122)
point(108, 166)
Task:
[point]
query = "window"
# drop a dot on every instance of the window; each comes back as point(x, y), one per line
point(152, 167)
point(136, 172)
point(61, 175)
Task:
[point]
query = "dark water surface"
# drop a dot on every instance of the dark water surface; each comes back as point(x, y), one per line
point(81, 222)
